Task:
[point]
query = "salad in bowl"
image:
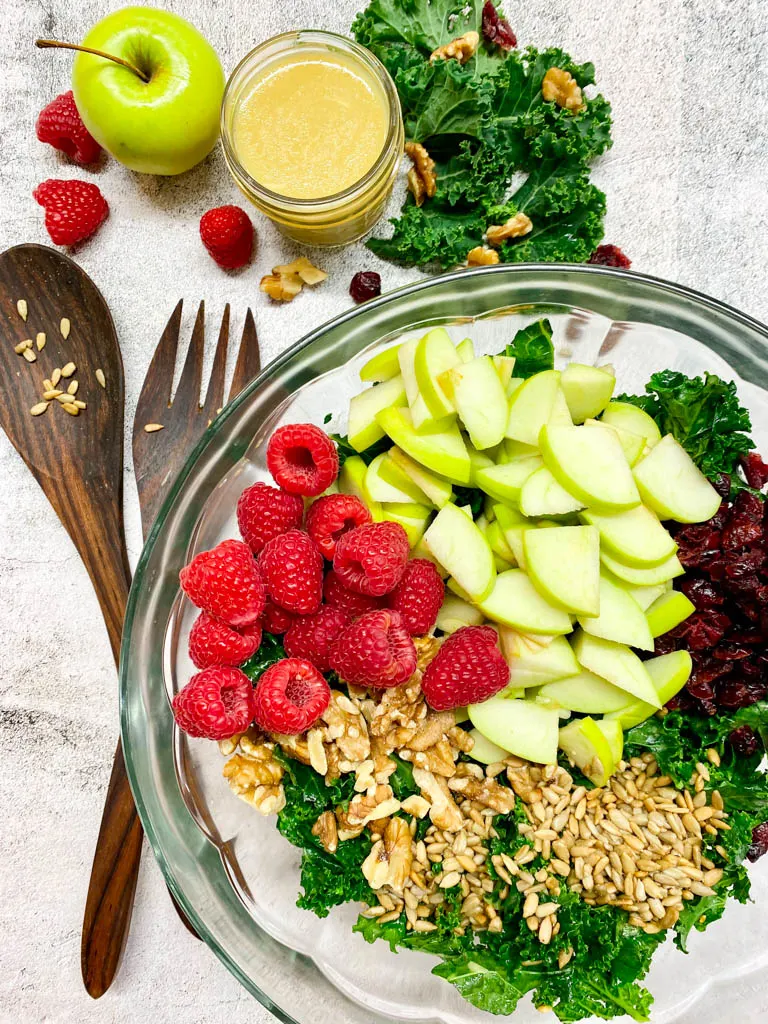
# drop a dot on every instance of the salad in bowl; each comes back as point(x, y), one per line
point(495, 662)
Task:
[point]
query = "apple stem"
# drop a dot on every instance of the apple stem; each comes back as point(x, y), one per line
point(53, 43)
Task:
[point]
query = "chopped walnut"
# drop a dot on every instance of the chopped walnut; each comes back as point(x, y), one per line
point(487, 792)
point(520, 780)
point(317, 755)
point(347, 729)
point(426, 649)
point(482, 256)
point(308, 273)
point(390, 859)
point(326, 831)
point(460, 49)
point(295, 746)
point(365, 807)
point(561, 87)
point(286, 281)
point(256, 778)
point(396, 718)
point(229, 746)
point(346, 829)
point(515, 227)
point(432, 729)
point(438, 759)
point(415, 805)
point(443, 811)
point(422, 180)
point(461, 739)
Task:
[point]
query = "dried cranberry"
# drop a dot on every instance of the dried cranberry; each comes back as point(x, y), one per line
point(366, 284)
point(731, 652)
point(745, 524)
point(699, 688)
point(759, 842)
point(705, 629)
point(610, 256)
point(695, 542)
point(755, 470)
point(734, 693)
point(496, 29)
point(665, 644)
point(708, 669)
point(701, 593)
point(744, 741)
point(722, 484)
point(752, 670)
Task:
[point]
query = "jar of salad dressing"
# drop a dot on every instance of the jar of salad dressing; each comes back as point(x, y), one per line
point(312, 134)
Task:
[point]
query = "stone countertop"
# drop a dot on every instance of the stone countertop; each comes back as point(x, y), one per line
point(686, 184)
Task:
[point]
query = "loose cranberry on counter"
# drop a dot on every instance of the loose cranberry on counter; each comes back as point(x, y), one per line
point(610, 256)
point(366, 284)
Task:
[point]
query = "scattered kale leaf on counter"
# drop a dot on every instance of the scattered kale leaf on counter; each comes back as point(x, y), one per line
point(532, 349)
point(487, 126)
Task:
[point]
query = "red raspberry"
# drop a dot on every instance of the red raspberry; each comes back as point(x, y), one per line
point(302, 459)
point(418, 596)
point(227, 234)
point(332, 516)
point(292, 568)
point(468, 668)
point(355, 605)
point(214, 643)
point(226, 583)
point(60, 125)
point(275, 619)
point(264, 512)
point(376, 650)
point(371, 559)
point(73, 209)
point(215, 704)
point(290, 697)
point(312, 637)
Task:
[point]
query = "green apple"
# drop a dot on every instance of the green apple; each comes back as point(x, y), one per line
point(617, 664)
point(480, 401)
point(413, 518)
point(435, 353)
point(586, 746)
point(455, 613)
point(362, 427)
point(504, 367)
point(674, 486)
point(645, 596)
point(505, 482)
point(531, 405)
point(590, 464)
point(378, 487)
point(542, 495)
point(564, 566)
point(420, 550)
point(513, 525)
point(560, 415)
point(621, 618)
point(391, 473)
point(629, 417)
point(514, 601)
point(352, 481)
point(437, 490)
point(666, 570)
point(383, 366)
point(495, 537)
point(421, 416)
point(513, 450)
point(519, 726)
point(587, 390)
point(614, 733)
point(531, 665)
point(442, 451)
point(462, 549)
point(668, 611)
point(166, 124)
point(669, 674)
point(465, 350)
point(514, 384)
point(635, 537)
point(484, 751)
point(633, 445)
point(586, 693)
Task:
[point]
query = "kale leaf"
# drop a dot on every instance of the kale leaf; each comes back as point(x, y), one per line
point(270, 650)
point(532, 349)
point(346, 451)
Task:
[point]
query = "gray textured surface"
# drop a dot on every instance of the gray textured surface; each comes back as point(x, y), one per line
point(686, 183)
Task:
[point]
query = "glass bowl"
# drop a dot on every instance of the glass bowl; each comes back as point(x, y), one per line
point(233, 874)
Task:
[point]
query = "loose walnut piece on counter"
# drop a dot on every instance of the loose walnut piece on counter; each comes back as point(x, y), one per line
point(515, 227)
point(286, 281)
point(460, 49)
point(482, 256)
point(422, 180)
point(561, 87)
point(308, 273)
point(390, 859)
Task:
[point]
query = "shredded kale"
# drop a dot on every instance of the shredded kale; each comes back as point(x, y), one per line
point(270, 651)
point(532, 349)
point(346, 451)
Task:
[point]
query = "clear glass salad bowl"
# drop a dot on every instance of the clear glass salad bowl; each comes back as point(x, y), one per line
point(234, 875)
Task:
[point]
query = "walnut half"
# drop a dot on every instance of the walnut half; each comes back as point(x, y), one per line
point(257, 778)
point(515, 227)
point(422, 180)
point(460, 49)
point(389, 862)
point(482, 256)
point(561, 87)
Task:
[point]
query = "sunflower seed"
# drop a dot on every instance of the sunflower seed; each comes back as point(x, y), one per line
point(72, 387)
point(81, 405)
point(64, 327)
point(21, 348)
point(21, 309)
point(545, 931)
point(50, 394)
point(713, 757)
point(40, 341)
point(56, 376)
point(68, 370)
point(71, 408)
point(151, 428)
point(39, 409)
point(29, 355)
point(100, 378)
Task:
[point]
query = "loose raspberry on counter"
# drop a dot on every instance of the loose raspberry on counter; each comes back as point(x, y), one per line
point(275, 619)
point(264, 512)
point(376, 650)
point(215, 704)
point(468, 668)
point(226, 583)
point(60, 125)
point(215, 643)
point(227, 234)
point(302, 459)
point(313, 636)
point(418, 596)
point(73, 209)
point(292, 568)
point(355, 605)
point(331, 516)
point(610, 256)
point(290, 697)
point(371, 559)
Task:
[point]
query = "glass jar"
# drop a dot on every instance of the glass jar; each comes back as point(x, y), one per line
point(334, 219)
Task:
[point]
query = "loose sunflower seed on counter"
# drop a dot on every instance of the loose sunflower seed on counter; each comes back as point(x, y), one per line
point(21, 309)
point(64, 327)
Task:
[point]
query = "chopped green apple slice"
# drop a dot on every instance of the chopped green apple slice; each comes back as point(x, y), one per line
point(590, 464)
point(421, 416)
point(586, 693)
point(362, 427)
point(435, 353)
point(514, 601)
point(587, 390)
point(564, 565)
point(512, 450)
point(455, 613)
point(484, 751)
point(352, 481)
point(673, 485)
point(505, 482)
point(442, 451)
point(633, 445)
point(437, 490)
point(531, 405)
point(629, 417)
point(531, 665)
point(614, 733)
point(514, 384)
point(513, 524)
point(522, 727)
point(621, 618)
point(420, 550)
point(384, 482)
point(560, 414)
point(383, 366)
point(669, 674)
point(495, 537)
point(480, 401)
point(668, 611)
point(616, 663)
point(465, 350)
point(413, 518)
point(504, 367)
point(645, 596)
point(635, 537)
point(643, 577)
point(586, 746)
point(542, 495)
point(462, 549)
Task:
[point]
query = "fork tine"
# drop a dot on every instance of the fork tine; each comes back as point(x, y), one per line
point(214, 397)
point(187, 395)
point(248, 362)
point(156, 390)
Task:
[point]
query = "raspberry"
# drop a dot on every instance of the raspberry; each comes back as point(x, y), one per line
point(376, 650)
point(302, 459)
point(290, 697)
point(468, 669)
point(215, 704)
point(293, 572)
point(355, 605)
point(227, 234)
point(214, 643)
point(371, 559)
point(312, 637)
point(275, 619)
point(73, 209)
point(610, 256)
point(226, 583)
point(332, 516)
point(60, 125)
point(418, 596)
point(264, 512)
point(366, 284)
